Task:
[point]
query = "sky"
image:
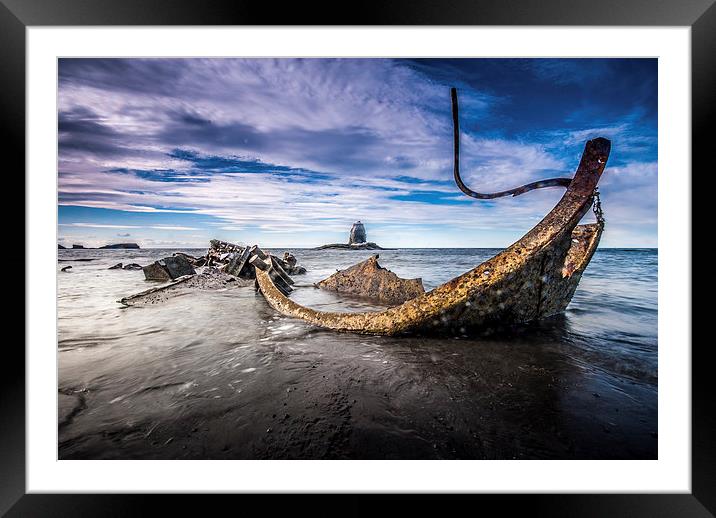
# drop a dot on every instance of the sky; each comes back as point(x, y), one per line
point(290, 152)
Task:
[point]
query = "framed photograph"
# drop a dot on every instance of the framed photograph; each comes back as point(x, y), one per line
point(420, 251)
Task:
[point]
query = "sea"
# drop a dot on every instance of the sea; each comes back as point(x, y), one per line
point(220, 375)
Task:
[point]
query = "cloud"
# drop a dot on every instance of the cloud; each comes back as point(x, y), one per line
point(101, 225)
point(567, 71)
point(295, 145)
point(80, 130)
point(335, 115)
point(96, 225)
point(171, 227)
point(121, 75)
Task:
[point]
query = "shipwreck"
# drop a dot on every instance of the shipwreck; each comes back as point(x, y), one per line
point(534, 278)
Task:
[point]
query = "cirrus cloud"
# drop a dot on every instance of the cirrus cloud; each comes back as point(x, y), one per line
point(269, 148)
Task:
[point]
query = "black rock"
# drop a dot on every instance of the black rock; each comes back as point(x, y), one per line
point(192, 260)
point(357, 240)
point(77, 246)
point(357, 234)
point(66, 269)
point(132, 266)
point(289, 259)
point(156, 272)
point(290, 264)
point(355, 246)
point(168, 268)
point(60, 247)
point(178, 266)
point(117, 266)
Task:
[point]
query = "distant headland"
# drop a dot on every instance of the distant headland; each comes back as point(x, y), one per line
point(129, 246)
point(357, 240)
point(122, 245)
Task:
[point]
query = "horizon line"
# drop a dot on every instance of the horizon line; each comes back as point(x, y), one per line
point(359, 250)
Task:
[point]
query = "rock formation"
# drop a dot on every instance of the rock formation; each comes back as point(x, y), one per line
point(357, 234)
point(358, 246)
point(130, 266)
point(167, 269)
point(369, 279)
point(357, 240)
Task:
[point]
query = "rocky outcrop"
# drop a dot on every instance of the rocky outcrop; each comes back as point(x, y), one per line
point(167, 269)
point(60, 247)
point(194, 261)
point(369, 279)
point(357, 246)
point(357, 234)
point(77, 247)
point(357, 240)
point(130, 266)
point(156, 272)
point(178, 266)
point(128, 246)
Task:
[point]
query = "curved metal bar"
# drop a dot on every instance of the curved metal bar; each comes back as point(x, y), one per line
point(551, 182)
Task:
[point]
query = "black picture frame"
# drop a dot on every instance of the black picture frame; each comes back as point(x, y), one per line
point(700, 15)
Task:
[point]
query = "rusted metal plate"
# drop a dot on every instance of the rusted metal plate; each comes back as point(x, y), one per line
point(369, 279)
point(238, 263)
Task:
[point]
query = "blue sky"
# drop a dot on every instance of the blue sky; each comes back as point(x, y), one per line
point(289, 152)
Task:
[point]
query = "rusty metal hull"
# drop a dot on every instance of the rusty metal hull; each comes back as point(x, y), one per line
point(534, 278)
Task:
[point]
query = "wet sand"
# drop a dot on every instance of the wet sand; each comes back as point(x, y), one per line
point(220, 375)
